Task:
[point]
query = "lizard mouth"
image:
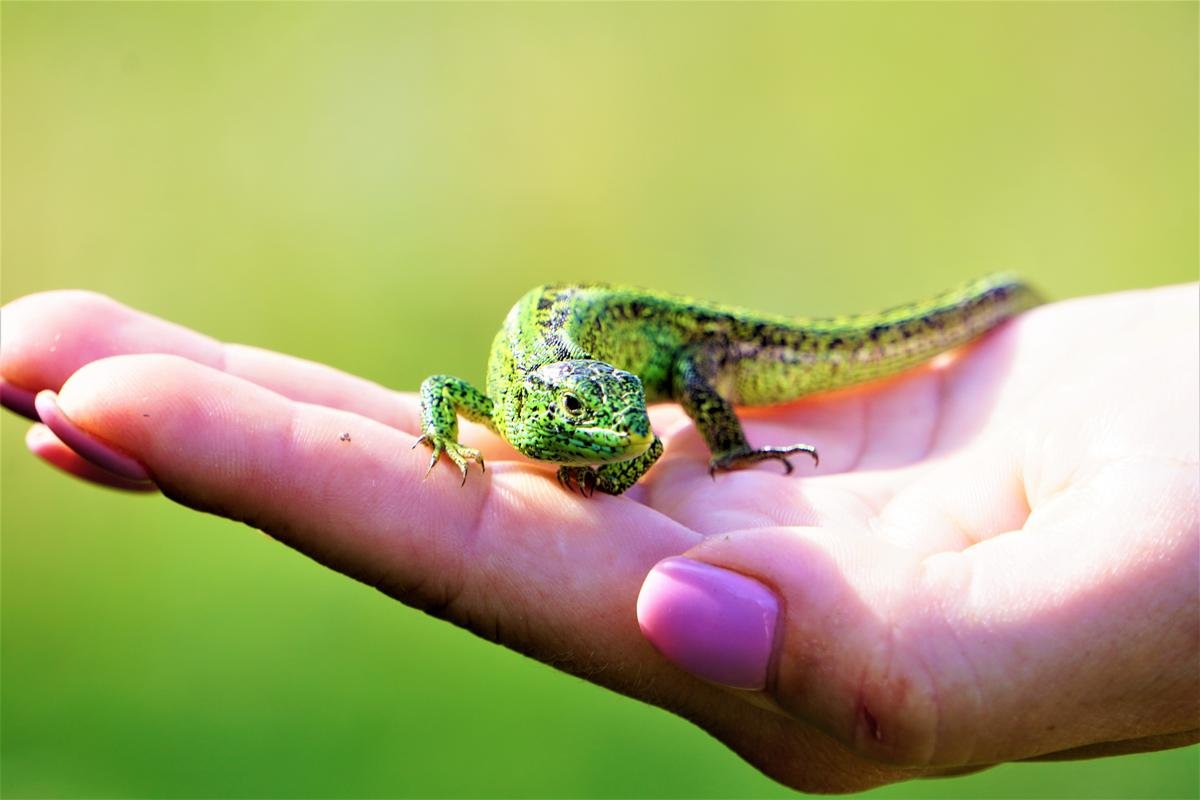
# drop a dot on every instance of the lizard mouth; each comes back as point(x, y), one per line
point(634, 444)
point(617, 445)
point(639, 441)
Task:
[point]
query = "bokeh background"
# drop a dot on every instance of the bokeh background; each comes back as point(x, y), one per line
point(372, 185)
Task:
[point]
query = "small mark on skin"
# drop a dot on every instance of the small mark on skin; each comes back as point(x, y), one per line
point(345, 437)
point(872, 725)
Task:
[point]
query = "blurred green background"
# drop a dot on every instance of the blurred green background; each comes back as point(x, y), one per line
point(372, 186)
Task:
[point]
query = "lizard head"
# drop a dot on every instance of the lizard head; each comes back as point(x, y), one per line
point(581, 412)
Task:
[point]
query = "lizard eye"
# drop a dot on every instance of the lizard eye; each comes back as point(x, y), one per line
point(572, 404)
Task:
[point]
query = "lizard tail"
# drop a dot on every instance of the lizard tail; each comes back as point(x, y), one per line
point(869, 346)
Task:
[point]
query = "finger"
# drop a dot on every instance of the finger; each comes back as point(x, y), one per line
point(94, 449)
point(42, 442)
point(1035, 641)
point(46, 337)
point(508, 555)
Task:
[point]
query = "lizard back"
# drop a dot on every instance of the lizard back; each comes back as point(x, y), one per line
point(755, 358)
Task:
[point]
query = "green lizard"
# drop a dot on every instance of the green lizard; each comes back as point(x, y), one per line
point(573, 367)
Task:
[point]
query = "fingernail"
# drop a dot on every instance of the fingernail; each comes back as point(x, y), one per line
point(42, 442)
point(85, 444)
point(14, 398)
point(714, 623)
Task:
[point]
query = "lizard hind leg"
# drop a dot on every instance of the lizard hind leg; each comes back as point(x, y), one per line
point(720, 427)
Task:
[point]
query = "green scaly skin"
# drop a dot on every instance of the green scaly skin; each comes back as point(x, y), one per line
point(573, 367)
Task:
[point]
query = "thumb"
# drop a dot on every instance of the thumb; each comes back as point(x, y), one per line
point(1079, 629)
point(775, 611)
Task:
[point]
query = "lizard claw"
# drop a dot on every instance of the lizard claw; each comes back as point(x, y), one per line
point(737, 460)
point(461, 456)
point(582, 478)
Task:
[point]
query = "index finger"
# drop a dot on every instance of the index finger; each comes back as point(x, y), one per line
point(47, 337)
point(509, 555)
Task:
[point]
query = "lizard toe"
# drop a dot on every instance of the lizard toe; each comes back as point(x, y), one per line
point(745, 458)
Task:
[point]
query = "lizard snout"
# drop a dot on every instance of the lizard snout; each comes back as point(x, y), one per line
point(636, 425)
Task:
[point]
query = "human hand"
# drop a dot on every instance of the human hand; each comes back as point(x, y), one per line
point(997, 559)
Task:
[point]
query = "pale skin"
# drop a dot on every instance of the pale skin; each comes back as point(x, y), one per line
point(998, 556)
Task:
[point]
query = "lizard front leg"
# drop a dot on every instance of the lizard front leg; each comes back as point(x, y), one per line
point(610, 478)
point(692, 384)
point(443, 398)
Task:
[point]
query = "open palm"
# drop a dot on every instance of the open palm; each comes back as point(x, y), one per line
point(995, 560)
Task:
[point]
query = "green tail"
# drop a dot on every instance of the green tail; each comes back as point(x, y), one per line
point(843, 351)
